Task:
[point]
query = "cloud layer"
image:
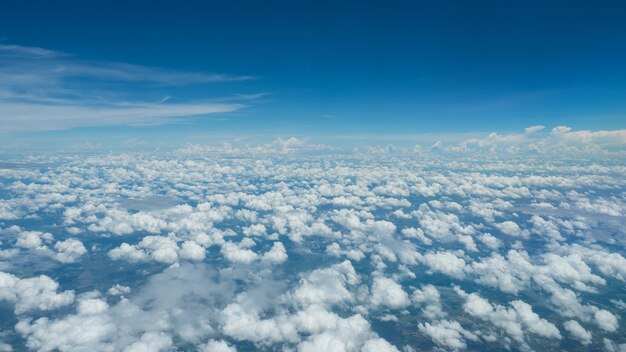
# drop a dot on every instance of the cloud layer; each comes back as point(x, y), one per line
point(294, 246)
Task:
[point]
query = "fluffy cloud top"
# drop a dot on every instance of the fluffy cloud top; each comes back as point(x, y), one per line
point(279, 248)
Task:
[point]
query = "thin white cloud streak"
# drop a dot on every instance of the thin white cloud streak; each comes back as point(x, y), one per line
point(137, 73)
point(30, 117)
point(43, 63)
point(42, 89)
point(28, 51)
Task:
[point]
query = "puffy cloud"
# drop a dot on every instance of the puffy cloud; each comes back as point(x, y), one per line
point(562, 139)
point(611, 264)
point(277, 254)
point(570, 269)
point(439, 225)
point(33, 294)
point(445, 263)
point(606, 320)
point(128, 252)
point(151, 342)
point(388, 293)
point(244, 324)
point(333, 249)
point(255, 230)
point(69, 251)
point(160, 249)
point(559, 130)
point(611, 346)
point(327, 286)
point(514, 321)
point(399, 219)
point(118, 290)
point(412, 232)
point(532, 322)
point(217, 346)
point(428, 297)
point(192, 251)
point(617, 137)
point(447, 334)
point(33, 239)
point(236, 254)
point(148, 320)
point(490, 241)
point(510, 228)
point(577, 331)
point(92, 306)
point(72, 333)
point(345, 334)
point(468, 242)
point(378, 345)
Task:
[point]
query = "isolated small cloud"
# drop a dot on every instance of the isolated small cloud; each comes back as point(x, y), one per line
point(533, 129)
point(561, 130)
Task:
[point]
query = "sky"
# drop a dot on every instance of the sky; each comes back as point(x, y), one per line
point(95, 71)
point(308, 176)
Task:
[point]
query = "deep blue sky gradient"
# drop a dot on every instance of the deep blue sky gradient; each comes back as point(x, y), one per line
point(365, 67)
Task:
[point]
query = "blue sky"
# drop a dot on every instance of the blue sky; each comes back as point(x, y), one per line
point(322, 68)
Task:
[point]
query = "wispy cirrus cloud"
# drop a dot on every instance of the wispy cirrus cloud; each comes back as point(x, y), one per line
point(41, 117)
point(43, 89)
point(28, 51)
